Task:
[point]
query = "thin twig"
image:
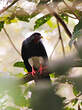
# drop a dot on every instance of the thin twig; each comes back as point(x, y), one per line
point(11, 41)
point(66, 13)
point(60, 37)
point(73, 99)
point(53, 13)
point(70, 16)
point(70, 10)
point(6, 8)
point(54, 47)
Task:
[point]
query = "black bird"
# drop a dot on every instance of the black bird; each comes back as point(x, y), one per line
point(34, 53)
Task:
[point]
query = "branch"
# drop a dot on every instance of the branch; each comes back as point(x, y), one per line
point(6, 8)
point(58, 66)
point(54, 48)
point(60, 37)
point(66, 13)
point(77, 97)
point(11, 41)
point(53, 13)
point(70, 10)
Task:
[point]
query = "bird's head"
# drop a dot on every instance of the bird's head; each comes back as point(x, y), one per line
point(36, 37)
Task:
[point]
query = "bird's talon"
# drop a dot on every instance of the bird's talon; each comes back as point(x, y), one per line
point(33, 72)
point(41, 69)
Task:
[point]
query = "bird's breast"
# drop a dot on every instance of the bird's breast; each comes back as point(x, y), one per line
point(36, 61)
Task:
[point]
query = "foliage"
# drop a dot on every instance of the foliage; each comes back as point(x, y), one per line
point(26, 18)
point(75, 91)
point(74, 102)
point(64, 17)
point(11, 108)
point(77, 33)
point(15, 93)
point(44, 98)
point(19, 64)
point(41, 21)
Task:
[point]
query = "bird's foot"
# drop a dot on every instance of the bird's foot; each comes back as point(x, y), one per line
point(41, 68)
point(33, 72)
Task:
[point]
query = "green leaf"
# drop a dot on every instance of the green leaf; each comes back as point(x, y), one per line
point(64, 17)
point(11, 108)
point(1, 25)
point(75, 91)
point(74, 36)
point(26, 18)
point(19, 64)
point(74, 102)
point(77, 32)
point(41, 21)
point(10, 20)
point(78, 26)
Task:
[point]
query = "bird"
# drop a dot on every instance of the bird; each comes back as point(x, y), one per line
point(34, 54)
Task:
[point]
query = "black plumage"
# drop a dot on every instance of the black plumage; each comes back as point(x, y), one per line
point(33, 47)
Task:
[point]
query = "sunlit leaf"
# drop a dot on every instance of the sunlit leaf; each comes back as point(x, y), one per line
point(51, 24)
point(9, 20)
point(52, 75)
point(41, 21)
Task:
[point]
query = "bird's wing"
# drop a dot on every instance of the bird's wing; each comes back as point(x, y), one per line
point(24, 54)
point(43, 52)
